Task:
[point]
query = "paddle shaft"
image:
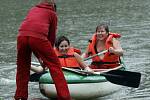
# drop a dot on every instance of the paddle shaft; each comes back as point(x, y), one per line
point(98, 54)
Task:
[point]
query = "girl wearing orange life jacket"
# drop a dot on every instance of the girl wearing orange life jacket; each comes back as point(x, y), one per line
point(104, 40)
point(65, 53)
point(68, 56)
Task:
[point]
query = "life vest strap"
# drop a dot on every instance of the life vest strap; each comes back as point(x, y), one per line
point(74, 67)
point(100, 63)
point(65, 56)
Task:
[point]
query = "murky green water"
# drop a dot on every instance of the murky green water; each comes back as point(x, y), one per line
point(77, 20)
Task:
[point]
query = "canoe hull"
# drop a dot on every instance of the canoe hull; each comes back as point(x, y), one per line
point(80, 86)
point(82, 90)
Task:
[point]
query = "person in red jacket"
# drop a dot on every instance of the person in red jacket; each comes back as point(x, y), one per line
point(37, 34)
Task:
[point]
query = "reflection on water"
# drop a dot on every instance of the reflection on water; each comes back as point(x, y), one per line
point(78, 19)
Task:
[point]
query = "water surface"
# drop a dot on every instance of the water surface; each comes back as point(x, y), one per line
point(78, 20)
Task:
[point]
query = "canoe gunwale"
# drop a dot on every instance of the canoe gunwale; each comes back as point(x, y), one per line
point(74, 78)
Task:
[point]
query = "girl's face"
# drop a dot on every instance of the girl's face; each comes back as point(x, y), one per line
point(63, 47)
point(101, 34)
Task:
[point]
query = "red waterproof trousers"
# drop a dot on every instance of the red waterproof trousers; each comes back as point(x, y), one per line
point(25, 46)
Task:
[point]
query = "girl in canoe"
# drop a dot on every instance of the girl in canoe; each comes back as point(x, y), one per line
point(104, 40)
point(67, 55)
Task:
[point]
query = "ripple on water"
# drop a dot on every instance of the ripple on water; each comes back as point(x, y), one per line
point(6, 82)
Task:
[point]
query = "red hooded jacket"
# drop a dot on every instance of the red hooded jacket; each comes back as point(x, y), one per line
point(40, 22)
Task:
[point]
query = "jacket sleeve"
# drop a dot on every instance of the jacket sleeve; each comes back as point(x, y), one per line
point(52, 29)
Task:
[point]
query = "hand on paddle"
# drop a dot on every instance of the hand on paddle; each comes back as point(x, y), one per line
point(88, 70)
point(117, 51)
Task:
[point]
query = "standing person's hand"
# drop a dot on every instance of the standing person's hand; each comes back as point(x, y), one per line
point(41, 63)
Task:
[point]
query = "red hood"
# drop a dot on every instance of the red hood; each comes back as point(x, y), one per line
point(45, 5)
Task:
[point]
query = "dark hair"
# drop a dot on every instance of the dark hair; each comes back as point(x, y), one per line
point(55, 7)
point(103, 26)
point(60, 39)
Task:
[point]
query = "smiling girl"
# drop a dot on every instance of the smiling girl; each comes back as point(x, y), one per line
point(104, 40)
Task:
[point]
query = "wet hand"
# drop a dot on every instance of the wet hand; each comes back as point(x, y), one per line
point(111, 50)
point(88, 70)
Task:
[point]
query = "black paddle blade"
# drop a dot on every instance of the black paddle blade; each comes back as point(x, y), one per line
point(36, 76)
point(126, 78)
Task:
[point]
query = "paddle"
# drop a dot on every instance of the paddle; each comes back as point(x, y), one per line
point(98, 54)
point(125, 78)
point(120, 77)
point(36, 76)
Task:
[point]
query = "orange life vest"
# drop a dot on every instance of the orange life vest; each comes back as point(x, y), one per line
point(68, 60)
point(109, 60)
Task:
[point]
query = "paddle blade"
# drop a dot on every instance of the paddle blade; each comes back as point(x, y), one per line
point(126, 78)
point(36, 76)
